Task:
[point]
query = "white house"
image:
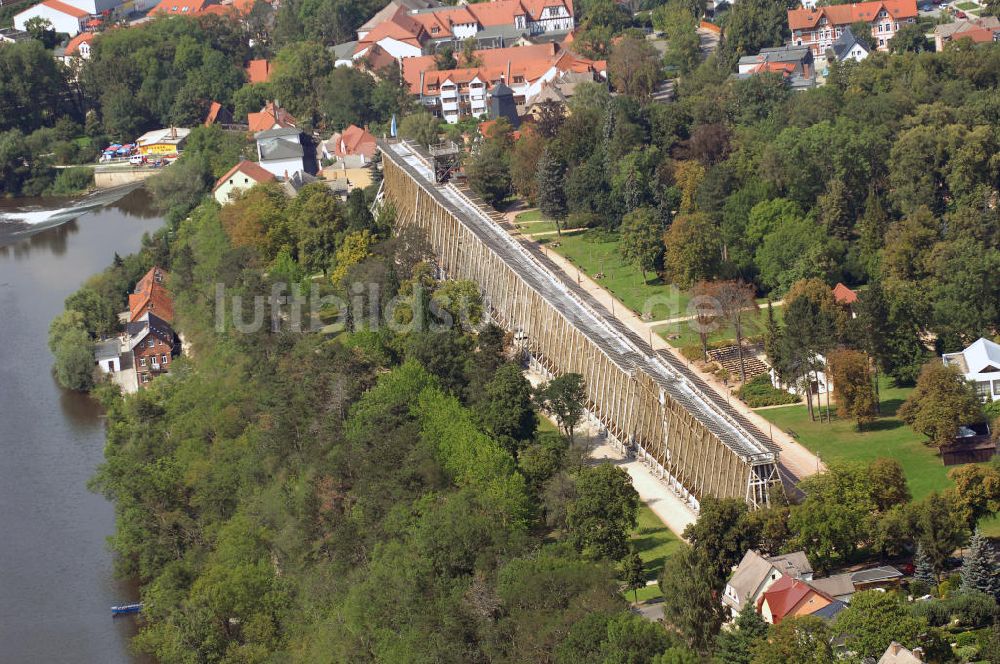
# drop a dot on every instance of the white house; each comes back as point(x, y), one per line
point(107, 355)
point(818, 379)
point(847, 47)
point(980, 364)
point(755, 574)
point(240, 177)
point(64, 17)
point(280, 151)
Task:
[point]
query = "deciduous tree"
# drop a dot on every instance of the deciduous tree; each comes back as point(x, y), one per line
point(941, 402)
point(692, 249)
point(641, 243)
point(852, 381)
point(604, 512)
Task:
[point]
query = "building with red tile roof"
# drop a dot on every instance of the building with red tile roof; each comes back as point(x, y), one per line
point(354, 141)
point(258, 71)
point(218, 114)
point(180, 7)
point(63, 16)
point(844, 295)
point(79, 46)
point(462, 92)
point(790, 597)
point(240, 177)
point(151, 295)
point(819, 27)
point(271, 116)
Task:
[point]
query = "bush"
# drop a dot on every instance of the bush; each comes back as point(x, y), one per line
point(72, 180)
point(992, 410)
point(693, 353)
point(973, 609)
point(934, 611)
point(759, 392)
point(919, 588)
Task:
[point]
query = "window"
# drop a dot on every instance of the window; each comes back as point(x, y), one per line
point(145, 377)
point(983, 389)
point(152, 342)
point(996, 388)
point(163, 358)
point(881, 42)
point(142, 361)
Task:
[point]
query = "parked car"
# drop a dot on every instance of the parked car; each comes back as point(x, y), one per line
point(136, 160)
point(960, 14)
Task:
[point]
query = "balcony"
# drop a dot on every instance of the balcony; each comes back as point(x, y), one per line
point(449, 106)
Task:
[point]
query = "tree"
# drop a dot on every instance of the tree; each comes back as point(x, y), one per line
point(564, 398)
point(750, 26)
point(505, 410)
point(737, 644)
point(723, 533)
point(690, 603)
point(692, 249)
point(871, 230)
point(873, 620)
point(41, 29)
point(976, 492)
point(923, 569)
point(641, 243)
point(489, 172)
point(421, 127)
point(551, 183)
point(736, 301)
point(855, 389)
point(706, 311)
point(74, 359)
point(910, 38)
point(470, 59)
point(634, 66)
point(300, 77)
point(887, 483)
point(941, 402)
point(980, 568)
point(444, 59)
point(524, 158)
point(633, 573)
point(835, 515)
point(796, 640)
point(604, 512)
point(940, 530)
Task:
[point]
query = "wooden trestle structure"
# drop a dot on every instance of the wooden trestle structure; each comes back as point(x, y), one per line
point(680, 427)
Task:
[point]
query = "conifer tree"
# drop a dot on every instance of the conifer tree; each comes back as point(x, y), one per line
point(551, 188)
point(923, 569)
point(981, 569)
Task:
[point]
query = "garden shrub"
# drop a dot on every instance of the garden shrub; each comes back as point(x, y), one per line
point(759, 392)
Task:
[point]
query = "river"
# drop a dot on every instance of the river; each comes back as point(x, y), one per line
point(56, 571)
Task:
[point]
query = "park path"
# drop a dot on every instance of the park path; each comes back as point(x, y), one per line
point(796, 461)
point(686, 318)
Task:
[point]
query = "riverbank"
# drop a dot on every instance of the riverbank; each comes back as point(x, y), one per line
point(58, 574)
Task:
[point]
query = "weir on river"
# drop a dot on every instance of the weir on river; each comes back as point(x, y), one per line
point(680, 427)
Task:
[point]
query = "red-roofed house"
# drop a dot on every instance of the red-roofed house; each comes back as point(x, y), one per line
point(218, 114)
point(78, 48)
point(258, 71)
point(819, 27)
point(458, 93)
point(844, 295)
point(240, 177)
point(63, 16)
point(352, 142)
point(271, 116)
point(151, 296)
point(180, 7)
point(790, 597)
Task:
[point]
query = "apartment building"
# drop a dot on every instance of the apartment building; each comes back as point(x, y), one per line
point(819, 27)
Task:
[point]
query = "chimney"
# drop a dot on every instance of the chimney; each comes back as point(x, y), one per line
point(918, 653)
point(421, 92)
point(508, 71)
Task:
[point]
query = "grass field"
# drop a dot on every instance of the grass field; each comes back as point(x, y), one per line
point(655, 544)
point(889, 436)
point(682, 334)
point(597, 252)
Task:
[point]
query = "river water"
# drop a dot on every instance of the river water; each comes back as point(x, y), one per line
point(56, 571)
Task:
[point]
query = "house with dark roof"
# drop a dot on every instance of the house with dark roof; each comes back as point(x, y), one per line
point(794, 63)
point(239, 178)
point(153, 346)
point(846, 47)
point(280, 151)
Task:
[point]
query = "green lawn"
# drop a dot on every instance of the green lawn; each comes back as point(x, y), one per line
point(683, 334)
point(966, 6)
point(596, 252)
point(655, 543)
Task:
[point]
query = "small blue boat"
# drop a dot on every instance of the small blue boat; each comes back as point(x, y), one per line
point(126, 608)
